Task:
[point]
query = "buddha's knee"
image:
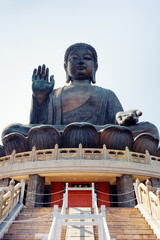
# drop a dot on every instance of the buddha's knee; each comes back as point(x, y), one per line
point(15, 141)
point(16, 128)
point(14, 137)
point(144, 127)
point(146, 137)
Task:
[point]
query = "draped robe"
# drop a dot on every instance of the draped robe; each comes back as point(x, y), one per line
point(98, 108)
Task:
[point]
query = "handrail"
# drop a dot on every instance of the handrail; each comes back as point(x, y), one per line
point(59, 218)
point(11, 198)
point(149, 203)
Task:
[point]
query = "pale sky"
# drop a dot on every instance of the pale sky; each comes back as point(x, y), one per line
point(125, 33)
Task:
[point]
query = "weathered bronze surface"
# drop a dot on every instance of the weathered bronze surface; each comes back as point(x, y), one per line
point(116, 137)
point(2, 152)
point(15, 141)
point(76, 133)
point(145, 141)
point(80, 101)
point(43, 137)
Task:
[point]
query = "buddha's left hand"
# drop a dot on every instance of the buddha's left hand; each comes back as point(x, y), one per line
point(127, 118)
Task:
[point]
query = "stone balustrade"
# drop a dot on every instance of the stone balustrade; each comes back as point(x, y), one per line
point(149, 204)
point(150, 199)
point(77, 153)
point(9, 197)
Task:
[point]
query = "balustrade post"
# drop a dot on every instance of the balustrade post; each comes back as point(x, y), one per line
point(59, 226)
point(80, 151)
point(103, 211)
point(56, 152)
point(128, 156)
point(55, 215)
point(66, 195)
point(147, 157)
point(158, 196)
point(22, 191)
point(104, 151)
point(137, 192)
point(12, 158)
point(33, 154)
point(1, 202)
point(11, 189)
point(149, 187)
point(93, 196)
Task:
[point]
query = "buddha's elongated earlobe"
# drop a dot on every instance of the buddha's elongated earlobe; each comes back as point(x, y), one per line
point(68, 78)
point(93, 78)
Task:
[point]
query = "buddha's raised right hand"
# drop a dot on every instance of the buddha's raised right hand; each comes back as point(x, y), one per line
point(41, 85)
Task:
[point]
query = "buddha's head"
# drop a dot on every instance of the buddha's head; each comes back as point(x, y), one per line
point(80, 62)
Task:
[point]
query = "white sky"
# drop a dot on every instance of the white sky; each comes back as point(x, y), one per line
point(125, 33)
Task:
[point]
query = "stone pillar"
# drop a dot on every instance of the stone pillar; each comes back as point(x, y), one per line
point(155, 182)
point(125, 185)
point(35, 186)
point(4, 182)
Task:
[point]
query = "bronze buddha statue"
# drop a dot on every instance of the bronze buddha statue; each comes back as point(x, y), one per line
point(77, 105)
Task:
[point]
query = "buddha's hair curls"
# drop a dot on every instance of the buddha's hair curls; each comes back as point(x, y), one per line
point(81, 46)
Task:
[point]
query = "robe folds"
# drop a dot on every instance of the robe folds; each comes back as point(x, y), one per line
point(99, 108)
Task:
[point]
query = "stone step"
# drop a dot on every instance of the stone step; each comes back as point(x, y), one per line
point(41, 224)
point(124, 220)
point(124, 226)
point(37, 218)
point(130, 231)
point(19, 236)
point(135, 236)
point(20, 227)
point(136, 214)
point(128, 222)
point(35, 213)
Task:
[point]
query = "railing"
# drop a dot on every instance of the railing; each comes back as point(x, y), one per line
point(97, 219)
point(78, 153)
point(10, 199)
point(149, 203)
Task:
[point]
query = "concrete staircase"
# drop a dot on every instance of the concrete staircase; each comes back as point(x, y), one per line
point(128, 223)
point(123, 223)
point(43, 218)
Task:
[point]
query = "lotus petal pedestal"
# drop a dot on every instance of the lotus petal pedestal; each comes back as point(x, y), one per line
point(145, 141)
point(76, 133)
point(15, 141)
point(2, 152)
point(43, 137)
point(116, 137)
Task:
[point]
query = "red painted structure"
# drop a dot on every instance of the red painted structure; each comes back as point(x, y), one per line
point(80, 198)
point(57, 194)
point(103, 194)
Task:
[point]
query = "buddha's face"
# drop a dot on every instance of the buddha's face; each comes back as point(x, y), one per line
point(80, 64)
